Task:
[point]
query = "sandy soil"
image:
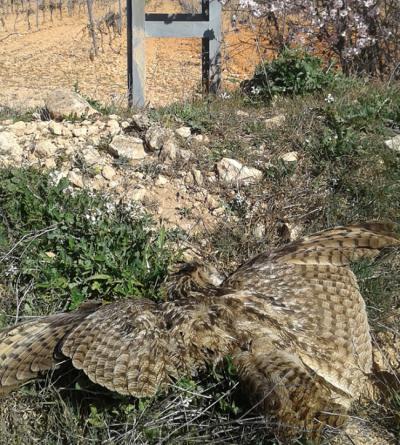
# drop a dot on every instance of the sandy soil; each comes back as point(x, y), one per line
point(58, 55)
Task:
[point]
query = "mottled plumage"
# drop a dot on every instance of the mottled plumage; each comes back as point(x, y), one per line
point(292, 319)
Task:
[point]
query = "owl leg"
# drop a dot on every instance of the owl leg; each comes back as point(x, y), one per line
point(292, 395)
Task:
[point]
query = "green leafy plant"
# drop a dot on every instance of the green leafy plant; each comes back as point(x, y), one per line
point(67, 246)
point(293, 72)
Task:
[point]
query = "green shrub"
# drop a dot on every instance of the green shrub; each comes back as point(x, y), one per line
point(293, 72)
point(60, 246)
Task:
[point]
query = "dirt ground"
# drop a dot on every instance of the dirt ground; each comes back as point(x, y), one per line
point(58, 55)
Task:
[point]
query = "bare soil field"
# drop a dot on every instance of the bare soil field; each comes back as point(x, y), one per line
point(58, 55)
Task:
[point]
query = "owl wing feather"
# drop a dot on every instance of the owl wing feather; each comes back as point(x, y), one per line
point(29, 348)
point(133, 347)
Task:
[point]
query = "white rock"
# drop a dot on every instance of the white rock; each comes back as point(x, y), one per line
point(69, 149)
point(75, 179)
point(127, 147)
point(79, 131)
point(292, 156)
point(186, 155)
point(232, 171)
point(140, 121)
point(169, 152)
point(218, 211)
point(45, 148)
point(157, 136)
point(275, 122)
point(114, 117)
point(42, 126)
point(259, 231)
point(50, 163)
point(99, 124)
point(97, 182)
point(197, 177)
point(161, 181)
point(394, 143)
point(62, 103)
point(189, 179)
point(108, 172)
point(10, 150)
point(199, 138)
point(138, 175)
point(113, 127)
point(30, 128)
point(212, 202)
point(183, 132)
point(212, 178)
point(56, 128)
point(94, 140)
point(18, 128)
point(91, 130)
point(67, 131)
point(92, 157)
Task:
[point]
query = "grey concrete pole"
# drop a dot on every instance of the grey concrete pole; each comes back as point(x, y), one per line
point(136, 52)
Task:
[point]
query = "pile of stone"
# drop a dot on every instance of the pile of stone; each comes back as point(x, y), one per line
point(130, 158)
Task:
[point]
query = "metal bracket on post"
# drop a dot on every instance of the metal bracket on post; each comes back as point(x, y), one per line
point(206, 25)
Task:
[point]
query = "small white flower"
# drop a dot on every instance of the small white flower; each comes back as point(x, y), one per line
point(224, 95)
point(110, 207)
point(186, 401)
point(55, 177)
point(329, 98)
point(255, 90)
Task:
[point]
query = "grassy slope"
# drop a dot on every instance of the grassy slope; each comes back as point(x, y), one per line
point(344, 174)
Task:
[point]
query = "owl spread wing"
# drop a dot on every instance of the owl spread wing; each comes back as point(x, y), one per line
point(309, 376)
point(132, 347)
point(315, 297)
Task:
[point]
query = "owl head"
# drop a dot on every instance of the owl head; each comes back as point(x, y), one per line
point(192, 277)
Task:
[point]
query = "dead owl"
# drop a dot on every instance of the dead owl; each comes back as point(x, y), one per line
point(293, 320)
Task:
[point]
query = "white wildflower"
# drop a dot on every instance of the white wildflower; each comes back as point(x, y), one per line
point(255, 90)
point(224, 95)
point(329, 98)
